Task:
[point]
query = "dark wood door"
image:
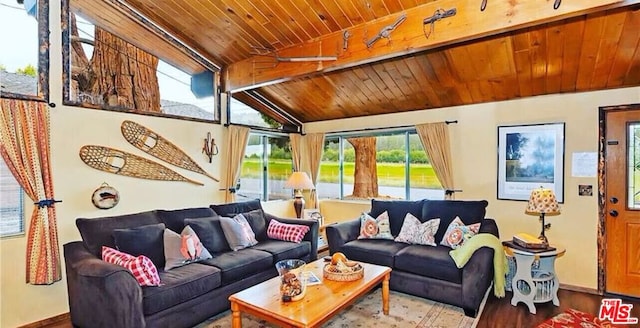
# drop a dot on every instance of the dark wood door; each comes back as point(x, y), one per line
point(622, 181)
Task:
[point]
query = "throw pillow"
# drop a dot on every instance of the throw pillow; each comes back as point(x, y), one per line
point(141, 267)
point(457, 233)
point(238, 232)
point(182, 249)
point(377, 228)
point(415, 232)
point(286, 232)
point(144, 240)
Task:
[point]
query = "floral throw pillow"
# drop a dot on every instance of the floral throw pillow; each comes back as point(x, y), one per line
point(415, 232)
point(377, 228)
point(141, 267)
point(457, 233)
point(182, 249)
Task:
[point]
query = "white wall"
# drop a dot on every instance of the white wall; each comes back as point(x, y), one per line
point(474, 151)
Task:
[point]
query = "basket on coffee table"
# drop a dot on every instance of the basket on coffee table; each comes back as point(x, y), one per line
point(354, 273)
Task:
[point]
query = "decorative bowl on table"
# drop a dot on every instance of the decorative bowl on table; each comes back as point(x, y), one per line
point(292, 281)
point(341, 269)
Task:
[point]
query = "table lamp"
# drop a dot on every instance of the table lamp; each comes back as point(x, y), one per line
point(542, 202)
point(299, 181)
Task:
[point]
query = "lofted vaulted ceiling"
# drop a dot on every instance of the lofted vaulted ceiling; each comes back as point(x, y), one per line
point(512, 49)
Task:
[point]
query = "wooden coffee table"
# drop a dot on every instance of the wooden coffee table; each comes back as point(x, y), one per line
point(320, 303)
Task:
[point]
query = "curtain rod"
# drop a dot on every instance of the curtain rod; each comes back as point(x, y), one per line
point(400, 128)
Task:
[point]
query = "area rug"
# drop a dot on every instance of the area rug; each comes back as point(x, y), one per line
point(573, 318)
point(405, 311)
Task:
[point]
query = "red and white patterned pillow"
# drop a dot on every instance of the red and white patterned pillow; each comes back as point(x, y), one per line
point(457, 233)
point(141, 267)
point(286, 232)
point(377, 228)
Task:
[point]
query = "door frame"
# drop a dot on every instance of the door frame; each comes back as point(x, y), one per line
point(602, 237)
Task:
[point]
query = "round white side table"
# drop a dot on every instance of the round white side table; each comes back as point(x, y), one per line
point(538, 285)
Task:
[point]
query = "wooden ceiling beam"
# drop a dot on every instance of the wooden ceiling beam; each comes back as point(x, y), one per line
point(409, 37)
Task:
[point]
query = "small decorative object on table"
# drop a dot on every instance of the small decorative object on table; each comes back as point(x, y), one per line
point(293, 283)
point(341, 269)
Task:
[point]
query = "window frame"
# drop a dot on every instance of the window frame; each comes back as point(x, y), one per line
point(406, 132)
point(264, 172)
point(20, 207)
point(147, 23)
point(42, 94)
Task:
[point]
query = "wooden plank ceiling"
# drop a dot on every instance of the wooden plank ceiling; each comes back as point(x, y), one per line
point(599, 50)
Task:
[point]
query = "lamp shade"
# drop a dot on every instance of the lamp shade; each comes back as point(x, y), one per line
point(299, 180)
point(542, 200)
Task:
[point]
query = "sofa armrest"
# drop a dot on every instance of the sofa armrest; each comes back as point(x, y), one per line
point(342, 233)
point(489, 226)
point(311, 236)
point(477, 275)
point(101, 294)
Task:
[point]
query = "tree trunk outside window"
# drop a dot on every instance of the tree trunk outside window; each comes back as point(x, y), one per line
point(123, 75)
point(365, 183)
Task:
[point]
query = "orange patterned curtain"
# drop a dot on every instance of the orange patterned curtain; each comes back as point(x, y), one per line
point(24, 145)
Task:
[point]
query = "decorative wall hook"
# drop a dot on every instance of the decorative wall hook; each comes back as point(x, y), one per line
point(210, 148)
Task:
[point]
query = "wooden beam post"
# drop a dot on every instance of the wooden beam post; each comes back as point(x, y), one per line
point(409, 37)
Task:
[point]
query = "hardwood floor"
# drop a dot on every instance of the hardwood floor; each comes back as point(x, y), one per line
point(497, 313)
point(500, 312)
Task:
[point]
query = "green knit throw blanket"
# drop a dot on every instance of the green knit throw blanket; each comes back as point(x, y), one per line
point(462, 254)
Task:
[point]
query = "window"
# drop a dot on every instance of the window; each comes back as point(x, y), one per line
point(129, 66)
point(266, 166)
point(11, 203)
point(24, 70)
point(246, 115)
point(402, 168)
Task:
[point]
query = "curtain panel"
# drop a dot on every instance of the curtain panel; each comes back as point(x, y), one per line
point(435, 140)
point(236, 146)
point(314, 143)
point(24, 146)
point(296, 156)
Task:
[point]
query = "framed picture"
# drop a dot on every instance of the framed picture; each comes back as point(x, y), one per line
point(313, 214)
point(530, 156)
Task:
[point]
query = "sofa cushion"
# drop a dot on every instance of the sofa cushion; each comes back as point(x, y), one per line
point(144, 240)
point(143, 270)
point(428, 261)
point(457, 233)
point(98, 232)
point(397, 210)
point(210, 233)
point(376, 251)
point(180, 285)
point(375, 228)
point(284, 249)
point(415, 232)
point(182, 249)
point(234, 208)
point(238, 232)
point(241, 264)
point(469, 211)
point(258, 222)
point(174, 219)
